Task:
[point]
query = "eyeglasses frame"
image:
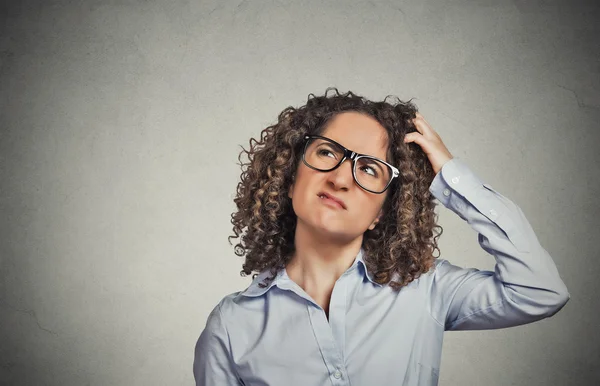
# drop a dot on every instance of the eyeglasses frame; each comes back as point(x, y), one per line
point(352, 156)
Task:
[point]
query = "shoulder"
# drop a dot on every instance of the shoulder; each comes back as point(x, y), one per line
point(440, 264)
point(444, 267)
point(231, 307)
point(215, 320)
point(446, 276)
point(441, 269)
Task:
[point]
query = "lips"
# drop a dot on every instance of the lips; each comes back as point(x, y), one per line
point(332, 197)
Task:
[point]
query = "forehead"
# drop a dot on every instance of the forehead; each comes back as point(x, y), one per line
point(358, 132)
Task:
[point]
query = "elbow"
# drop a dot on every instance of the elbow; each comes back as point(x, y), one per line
point(553, 301)
point(540, 303)
point(560, 298)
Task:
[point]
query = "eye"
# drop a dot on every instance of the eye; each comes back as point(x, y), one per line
point(369, 170)
point(325, 152)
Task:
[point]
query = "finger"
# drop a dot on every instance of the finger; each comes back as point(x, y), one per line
point(413, 137)
point(419, 115)
point(420, 140)
point(421, 124)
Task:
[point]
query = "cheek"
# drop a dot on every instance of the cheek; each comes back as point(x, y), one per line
point(301, 200)
point(306, 183)
point(369, 204)
point(367, 213)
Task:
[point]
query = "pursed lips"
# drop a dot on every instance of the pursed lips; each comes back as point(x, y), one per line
point(333, 198)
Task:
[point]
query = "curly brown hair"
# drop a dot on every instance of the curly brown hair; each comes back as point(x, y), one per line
point(402, 244)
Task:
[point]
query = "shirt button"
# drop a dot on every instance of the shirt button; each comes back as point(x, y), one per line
point(455, 179)
point(493, 212)
point(446, 192)
point(337, 374)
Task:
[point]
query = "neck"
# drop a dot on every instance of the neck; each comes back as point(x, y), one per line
point(318, 261)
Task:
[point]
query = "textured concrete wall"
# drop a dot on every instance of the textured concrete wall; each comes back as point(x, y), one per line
point(120, 126)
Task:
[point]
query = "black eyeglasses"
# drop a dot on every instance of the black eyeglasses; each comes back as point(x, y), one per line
point(370, 173)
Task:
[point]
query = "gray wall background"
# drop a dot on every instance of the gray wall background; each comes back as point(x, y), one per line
point(121, 123)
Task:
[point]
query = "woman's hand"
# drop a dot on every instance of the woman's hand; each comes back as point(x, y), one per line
point(430, 142)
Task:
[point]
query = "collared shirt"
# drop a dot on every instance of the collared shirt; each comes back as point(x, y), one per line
point(280, 336)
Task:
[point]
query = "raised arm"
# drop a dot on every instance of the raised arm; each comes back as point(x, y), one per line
point(525, 285)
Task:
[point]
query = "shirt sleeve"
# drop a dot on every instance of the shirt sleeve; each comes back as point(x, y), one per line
point(525, 285)
point(212, 361)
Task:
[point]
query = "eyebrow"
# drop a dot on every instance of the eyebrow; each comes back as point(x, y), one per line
point(370, 155)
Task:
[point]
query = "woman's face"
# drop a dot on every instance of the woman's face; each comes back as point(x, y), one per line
point(362, 134)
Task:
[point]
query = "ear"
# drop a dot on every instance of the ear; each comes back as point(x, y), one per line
point(374, 223)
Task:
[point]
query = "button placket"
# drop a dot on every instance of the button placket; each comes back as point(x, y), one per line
point(330, 351)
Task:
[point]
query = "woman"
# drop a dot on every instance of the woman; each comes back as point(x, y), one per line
point(336, 214)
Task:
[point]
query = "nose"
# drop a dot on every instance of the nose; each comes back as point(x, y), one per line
point(341, 178)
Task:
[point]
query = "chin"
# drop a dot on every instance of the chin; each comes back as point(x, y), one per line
point(334, 230)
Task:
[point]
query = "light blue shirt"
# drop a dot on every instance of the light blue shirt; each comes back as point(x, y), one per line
point(279, 336)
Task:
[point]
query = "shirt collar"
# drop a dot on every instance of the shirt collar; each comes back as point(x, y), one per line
point(282, 279)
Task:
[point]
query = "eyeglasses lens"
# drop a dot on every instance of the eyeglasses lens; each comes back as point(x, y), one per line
point(369, 172)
